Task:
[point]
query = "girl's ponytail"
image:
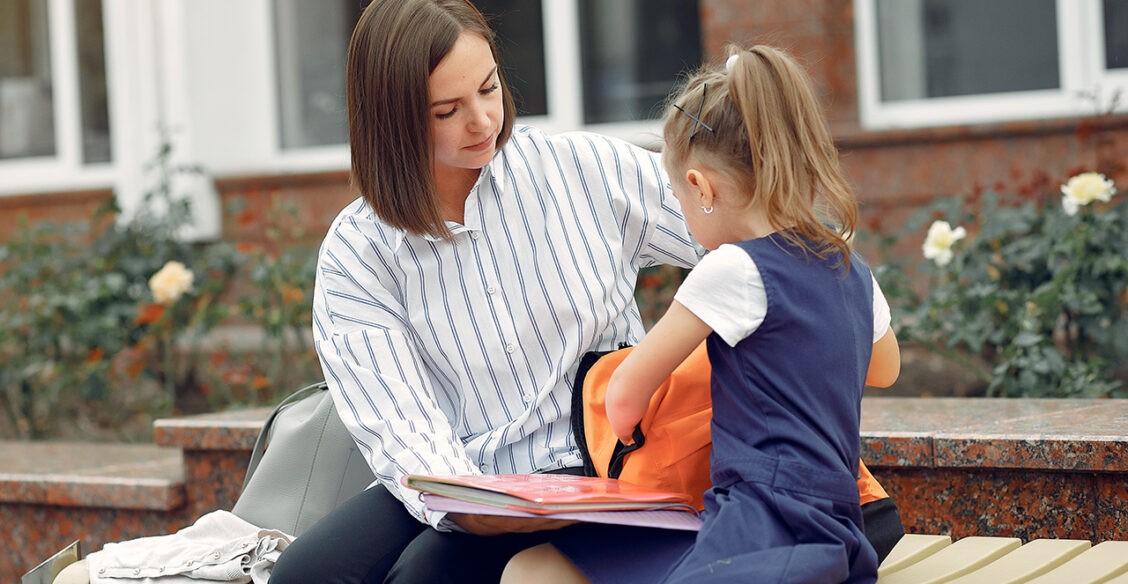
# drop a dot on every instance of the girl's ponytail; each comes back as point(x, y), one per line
point(796, 178)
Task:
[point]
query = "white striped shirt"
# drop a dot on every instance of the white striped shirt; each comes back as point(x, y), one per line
point(459, 357)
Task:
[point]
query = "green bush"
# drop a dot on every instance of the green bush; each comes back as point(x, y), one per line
point(1033, 285)
point(92, 344)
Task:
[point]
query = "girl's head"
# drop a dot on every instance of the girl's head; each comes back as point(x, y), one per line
point(754, 127)
point(399, 138)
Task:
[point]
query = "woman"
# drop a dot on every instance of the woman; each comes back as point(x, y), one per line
point(456, 297)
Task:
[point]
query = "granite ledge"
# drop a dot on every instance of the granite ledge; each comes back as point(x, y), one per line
point(1077, 435)
point(117, 476)
point(229, 430)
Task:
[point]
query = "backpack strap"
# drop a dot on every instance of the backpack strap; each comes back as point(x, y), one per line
point(264, 435)
point(619, 455)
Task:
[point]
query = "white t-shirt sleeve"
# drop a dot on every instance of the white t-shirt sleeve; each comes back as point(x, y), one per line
point(881, 315)
point(726, 292)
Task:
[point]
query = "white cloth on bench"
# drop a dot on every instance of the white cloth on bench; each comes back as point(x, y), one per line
point(219, 547)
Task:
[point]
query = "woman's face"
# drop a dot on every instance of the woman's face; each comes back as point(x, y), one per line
point(466, 106)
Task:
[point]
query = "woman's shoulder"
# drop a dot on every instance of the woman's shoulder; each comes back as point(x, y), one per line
point(579, 141)
point(358, 219)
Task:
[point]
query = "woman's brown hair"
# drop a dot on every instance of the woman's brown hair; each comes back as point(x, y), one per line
point(768, 132)
point(394, 48)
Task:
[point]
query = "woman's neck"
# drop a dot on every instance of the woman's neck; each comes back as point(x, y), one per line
point(452, 187)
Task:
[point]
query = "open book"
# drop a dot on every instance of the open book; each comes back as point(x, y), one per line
point(592, 499)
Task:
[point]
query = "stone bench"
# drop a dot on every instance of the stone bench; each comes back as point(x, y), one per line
point(958, 467)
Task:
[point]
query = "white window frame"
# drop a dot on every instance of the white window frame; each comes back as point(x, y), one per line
point(65, 169)
point(1081, 62)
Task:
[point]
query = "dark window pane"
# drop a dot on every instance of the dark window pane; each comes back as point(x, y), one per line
point(312, 39)
point(1116, 34)
point(520, 38)
point(92, 81)
point(632, 54)
point(27, 122)
point(944, 48)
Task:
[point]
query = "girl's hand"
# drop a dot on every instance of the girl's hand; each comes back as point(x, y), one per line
point(625, 409)
point(636, 379)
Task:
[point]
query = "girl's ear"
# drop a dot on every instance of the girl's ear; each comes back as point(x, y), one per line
point(701, 183)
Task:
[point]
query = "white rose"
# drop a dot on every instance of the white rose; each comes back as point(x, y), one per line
point(171, 282)
point(938, 244)
point(1084, 189)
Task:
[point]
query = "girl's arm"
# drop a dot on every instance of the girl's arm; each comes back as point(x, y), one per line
point(675, 336)
point(885, 362)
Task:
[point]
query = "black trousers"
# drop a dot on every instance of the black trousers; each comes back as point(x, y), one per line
point(372, 539)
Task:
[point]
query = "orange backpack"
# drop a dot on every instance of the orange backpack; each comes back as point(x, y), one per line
point(672, 442)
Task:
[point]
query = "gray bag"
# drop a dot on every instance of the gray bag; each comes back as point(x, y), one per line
point(303, 465)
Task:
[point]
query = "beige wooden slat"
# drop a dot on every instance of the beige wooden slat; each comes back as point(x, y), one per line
point(912, 548)
point(963, 556)
point(1029, 561)
point(1099, 564)
point(1121, 579)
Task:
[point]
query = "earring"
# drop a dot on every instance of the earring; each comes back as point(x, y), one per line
point(706, 210)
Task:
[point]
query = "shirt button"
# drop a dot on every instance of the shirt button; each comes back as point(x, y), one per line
point(491, 290)
point(136, 571)
point(473, 235)
point(484, 468)
point(528, 398)
point(215, 556)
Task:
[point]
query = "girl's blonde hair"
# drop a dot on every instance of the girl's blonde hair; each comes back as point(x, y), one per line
point(761, 125)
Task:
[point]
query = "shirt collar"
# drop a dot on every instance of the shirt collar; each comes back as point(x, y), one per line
point(489, 174)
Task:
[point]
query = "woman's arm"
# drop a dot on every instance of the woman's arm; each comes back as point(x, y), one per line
point(382, 390)
point(671, 340)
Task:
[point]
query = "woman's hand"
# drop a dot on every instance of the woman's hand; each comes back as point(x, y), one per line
point(497, 525)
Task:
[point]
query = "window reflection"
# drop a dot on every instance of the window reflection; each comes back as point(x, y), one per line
point(944, 48)
point(92, 81)
point(311, 41)
point(632, 53)
point(27, 123)
point(1116, 34)
point(519, 25)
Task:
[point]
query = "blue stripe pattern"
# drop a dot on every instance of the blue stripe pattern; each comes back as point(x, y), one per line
point(458, 357)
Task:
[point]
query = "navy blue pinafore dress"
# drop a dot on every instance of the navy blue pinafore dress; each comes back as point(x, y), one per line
point(786, 407)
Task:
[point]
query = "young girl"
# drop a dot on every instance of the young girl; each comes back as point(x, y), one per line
point(795, 326)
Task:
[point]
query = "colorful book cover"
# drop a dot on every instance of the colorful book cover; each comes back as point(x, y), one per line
point(595, 499)
point(659, 518)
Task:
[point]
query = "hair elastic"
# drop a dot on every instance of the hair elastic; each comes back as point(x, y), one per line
point(731, 63)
